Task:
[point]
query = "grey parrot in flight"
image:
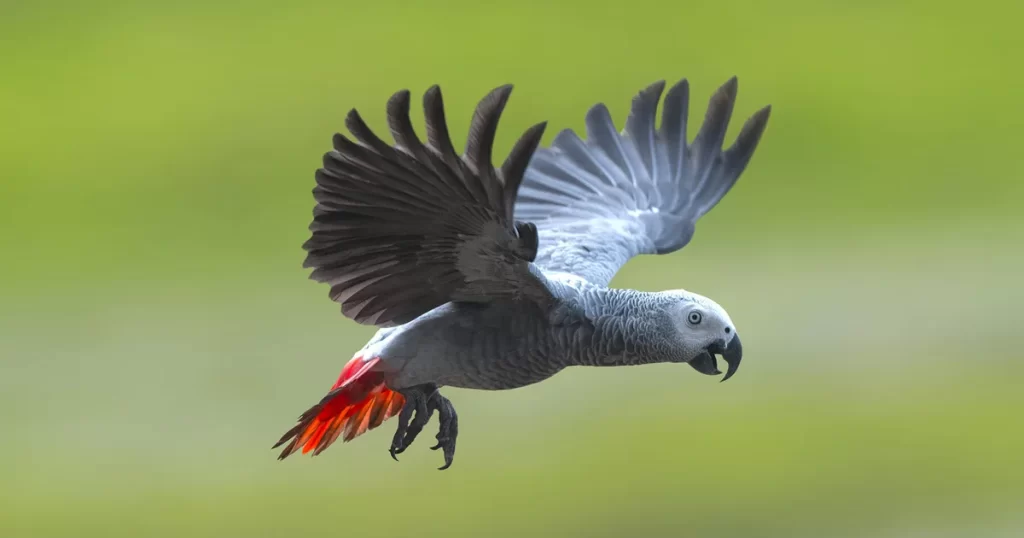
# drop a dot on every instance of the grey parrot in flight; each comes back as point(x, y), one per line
point(496, 278)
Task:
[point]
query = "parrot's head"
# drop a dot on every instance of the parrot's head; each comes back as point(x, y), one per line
point(703, 329)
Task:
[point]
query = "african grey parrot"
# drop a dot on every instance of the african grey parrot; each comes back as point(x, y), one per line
point(486, 278)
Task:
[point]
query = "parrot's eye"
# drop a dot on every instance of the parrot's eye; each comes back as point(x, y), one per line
point(695, 318)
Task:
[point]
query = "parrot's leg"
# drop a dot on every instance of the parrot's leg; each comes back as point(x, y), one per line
point(416, 399)
point(449, 428)
point(420, 403)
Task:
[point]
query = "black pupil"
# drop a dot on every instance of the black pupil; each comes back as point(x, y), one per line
point(695, 317)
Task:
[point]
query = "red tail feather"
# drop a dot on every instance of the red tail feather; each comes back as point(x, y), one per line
point(358, 402)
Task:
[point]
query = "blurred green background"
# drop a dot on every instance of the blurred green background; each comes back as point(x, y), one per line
point(158, 334)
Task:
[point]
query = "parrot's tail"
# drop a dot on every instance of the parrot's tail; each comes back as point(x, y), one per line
point(358, 402)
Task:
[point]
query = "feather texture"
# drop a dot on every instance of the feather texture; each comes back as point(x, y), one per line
point(597, 203)
point(401, 229)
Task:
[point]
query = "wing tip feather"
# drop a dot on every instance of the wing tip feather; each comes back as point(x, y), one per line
point(484, 126)
point(696, 173)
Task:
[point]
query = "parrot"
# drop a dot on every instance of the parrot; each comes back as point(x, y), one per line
point(495, 278)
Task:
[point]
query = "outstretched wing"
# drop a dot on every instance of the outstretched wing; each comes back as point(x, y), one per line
point(399, 230)
point(601, 202)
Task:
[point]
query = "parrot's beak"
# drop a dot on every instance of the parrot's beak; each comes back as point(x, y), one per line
point(732, 352)
point(705, 364)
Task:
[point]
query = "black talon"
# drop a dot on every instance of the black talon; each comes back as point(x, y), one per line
point(419, 400)
point(448, 432)
point(424, 400)
point(397, 445)
point(423, 413)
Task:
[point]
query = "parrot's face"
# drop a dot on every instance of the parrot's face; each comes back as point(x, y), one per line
point(704, 330)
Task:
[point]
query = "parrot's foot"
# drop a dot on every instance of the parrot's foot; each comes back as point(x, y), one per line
point(424, 400)
point(416, 400)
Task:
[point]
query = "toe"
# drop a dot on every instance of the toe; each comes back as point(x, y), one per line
point(449, 453)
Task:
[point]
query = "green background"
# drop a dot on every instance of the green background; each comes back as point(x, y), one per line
point(158, 334)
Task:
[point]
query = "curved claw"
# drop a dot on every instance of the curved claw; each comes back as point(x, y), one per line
point(449, 431)
point(449, 452)
point(398, 444)
point(424, 400)
point(423, 414)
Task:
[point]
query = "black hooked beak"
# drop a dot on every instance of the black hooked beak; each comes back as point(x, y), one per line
point(733, 353)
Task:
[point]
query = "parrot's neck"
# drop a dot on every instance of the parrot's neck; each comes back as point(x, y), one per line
point(623, 328)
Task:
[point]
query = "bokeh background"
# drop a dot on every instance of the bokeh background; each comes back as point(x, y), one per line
point(157, 331)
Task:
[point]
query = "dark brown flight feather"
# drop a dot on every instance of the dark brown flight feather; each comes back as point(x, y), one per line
point(401, 229)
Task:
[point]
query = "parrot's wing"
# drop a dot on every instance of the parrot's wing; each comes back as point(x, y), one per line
point(601, 202)
point(399, 230)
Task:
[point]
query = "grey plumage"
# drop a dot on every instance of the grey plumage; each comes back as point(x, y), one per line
point(491, 279)
point(506, 346)
point(600, 202)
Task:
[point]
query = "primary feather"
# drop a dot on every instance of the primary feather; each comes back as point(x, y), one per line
point(400, 230)
point(597, 203)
